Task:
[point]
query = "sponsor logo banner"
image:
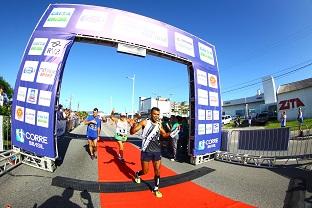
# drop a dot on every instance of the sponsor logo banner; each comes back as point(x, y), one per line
point(140, 30)
point(291, 103)
point(21, 94)
point(216, 115)
point(19, 113)
point(207, 144)
point(208, 115)
point(215, 128)
point(208, 128)
point(47, 72)
point(201, 129)
point(32, 139)
point(29, 71)
point(213, 99)
point(37, 46)
point(56, 47)
point(32, 96)
point(201, 77)
point(184, 44)
point(206, 54)
point(59, 17)
point(202, 97)
point(213, 81)
point(201, 114)
point(92, 20)
point(44, 98)
point(43, 119)
point(30, 116)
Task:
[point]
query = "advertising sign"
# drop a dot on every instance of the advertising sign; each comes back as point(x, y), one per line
point(42, 66)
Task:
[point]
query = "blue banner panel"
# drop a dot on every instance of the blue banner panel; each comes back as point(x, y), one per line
point(35, 90)
point(264, 139)
point(207, 110)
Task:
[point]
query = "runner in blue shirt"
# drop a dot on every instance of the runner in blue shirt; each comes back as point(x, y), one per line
point(93, 131)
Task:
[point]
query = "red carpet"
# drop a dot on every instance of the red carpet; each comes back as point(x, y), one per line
point(181, 195)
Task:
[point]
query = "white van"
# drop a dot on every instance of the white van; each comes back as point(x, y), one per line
point(226, 119)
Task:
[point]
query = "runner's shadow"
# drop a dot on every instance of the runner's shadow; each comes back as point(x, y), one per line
point(123, 167)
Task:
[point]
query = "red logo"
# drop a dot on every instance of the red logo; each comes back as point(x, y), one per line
point(291, 103)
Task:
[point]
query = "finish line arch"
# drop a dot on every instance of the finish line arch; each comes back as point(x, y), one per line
point(36, 91)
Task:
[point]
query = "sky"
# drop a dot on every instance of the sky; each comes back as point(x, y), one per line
point(252, 39)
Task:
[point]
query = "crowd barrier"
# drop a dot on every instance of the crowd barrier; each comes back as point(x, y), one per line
point(264, 146)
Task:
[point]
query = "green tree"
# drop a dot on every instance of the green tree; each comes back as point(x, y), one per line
point(6, 109)
point(6, 87)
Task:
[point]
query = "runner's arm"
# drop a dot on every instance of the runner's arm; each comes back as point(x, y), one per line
point(163, 133)
point(137, 126)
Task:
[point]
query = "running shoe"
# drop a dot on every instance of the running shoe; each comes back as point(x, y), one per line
point(92, 157)
point(137, 178)
point(157, 193)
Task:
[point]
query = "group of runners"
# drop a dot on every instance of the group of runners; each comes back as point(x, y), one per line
point(151, 128)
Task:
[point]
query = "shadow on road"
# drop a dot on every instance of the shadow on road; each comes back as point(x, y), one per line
point(123, 167)
point(64, 200)
point(299, 193)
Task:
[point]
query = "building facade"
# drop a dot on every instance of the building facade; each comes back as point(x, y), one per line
point(294, 95)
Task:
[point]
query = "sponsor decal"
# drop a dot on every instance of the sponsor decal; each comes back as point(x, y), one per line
point(20, 135)
point(201, 114)
point(206, 54)
point(56, 47)
point(33, 139)
point(29, 71)
point(216, 116)
point(140, 30)
point(208, 115)
point(201, 77)
point(37, 46)
point(184, 44)
point(202, 97)
point(21, 94)
point(30, 116)
point(201, 145)
point(92, 20)
point(215, 128)
point(213, 81)
point(32, 96)
point(201, 129)
point(291, 103)
point(207, 144)
point(47, 72)
point(19, 113)
point(59, 17)
point(213, 99)
point(43, 119)
point(44, 98)
point(208, 128)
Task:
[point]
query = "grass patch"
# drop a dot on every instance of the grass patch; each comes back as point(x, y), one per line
point(307, 124)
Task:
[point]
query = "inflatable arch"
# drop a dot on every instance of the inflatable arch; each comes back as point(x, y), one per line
point(36, 92)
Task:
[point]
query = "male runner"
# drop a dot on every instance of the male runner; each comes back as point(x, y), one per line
point(93, 131)
point(151, 150)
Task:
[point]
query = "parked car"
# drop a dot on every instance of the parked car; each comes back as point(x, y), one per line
point(226, 119)
point(261, 119)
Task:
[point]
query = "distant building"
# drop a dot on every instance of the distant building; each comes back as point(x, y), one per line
point(288, 97)
point(293, 95)
point(145, 105)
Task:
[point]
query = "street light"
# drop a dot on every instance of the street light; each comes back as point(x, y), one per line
point(133, 80)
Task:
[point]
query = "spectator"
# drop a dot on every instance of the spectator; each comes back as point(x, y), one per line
point(283, 119)
point(4, 100)
point(300, 118)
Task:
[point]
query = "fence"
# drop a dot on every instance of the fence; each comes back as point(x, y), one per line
point(265, 146)
point(5, 133)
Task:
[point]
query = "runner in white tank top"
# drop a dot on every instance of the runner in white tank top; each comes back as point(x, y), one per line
point(121, 134)
point(151, 151)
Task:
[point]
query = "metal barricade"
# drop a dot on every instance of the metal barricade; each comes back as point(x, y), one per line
point(265, 146)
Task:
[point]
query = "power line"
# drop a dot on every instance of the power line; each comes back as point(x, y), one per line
point(276, 77)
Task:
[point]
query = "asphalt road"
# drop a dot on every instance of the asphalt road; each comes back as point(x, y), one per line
point(26, 186)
